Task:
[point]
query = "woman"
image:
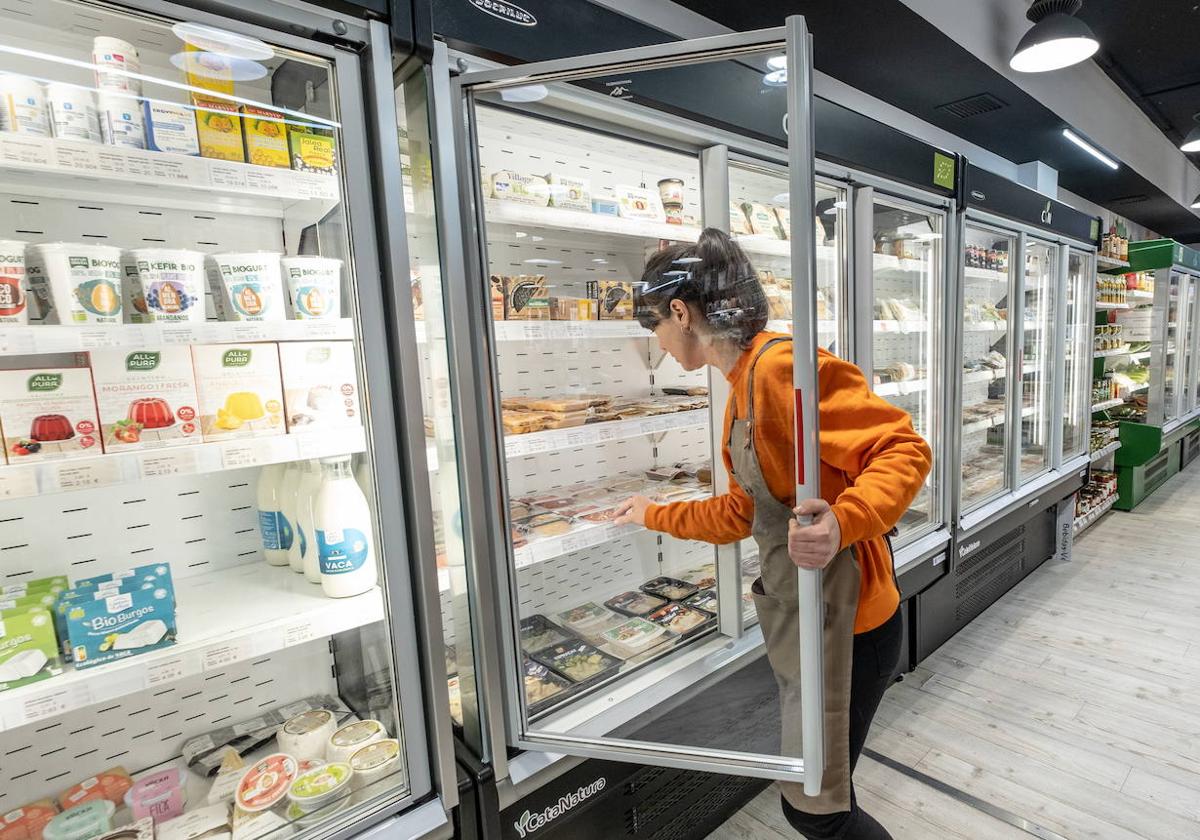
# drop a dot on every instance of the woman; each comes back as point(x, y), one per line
point(706, 307)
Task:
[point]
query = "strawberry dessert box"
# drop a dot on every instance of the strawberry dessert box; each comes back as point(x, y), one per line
point(48, 414)
point(146, 398)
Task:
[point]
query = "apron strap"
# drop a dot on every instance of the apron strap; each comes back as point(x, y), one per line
point(750, 390)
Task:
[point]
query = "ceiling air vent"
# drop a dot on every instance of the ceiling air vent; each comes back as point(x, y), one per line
point(973, 106)
point(1127, 199)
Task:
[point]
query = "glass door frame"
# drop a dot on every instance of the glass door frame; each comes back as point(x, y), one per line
point(1085, 318)
point(505, 689)
point(1057, 356)
point(1194, 341)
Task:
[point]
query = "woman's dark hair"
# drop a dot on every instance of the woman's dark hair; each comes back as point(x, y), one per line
point(714, 278)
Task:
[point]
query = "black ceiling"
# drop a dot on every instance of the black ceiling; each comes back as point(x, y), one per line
point(908, 62)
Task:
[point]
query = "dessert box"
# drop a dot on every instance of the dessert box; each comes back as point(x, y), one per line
point(320, 384)
point(239, 390)
point(48, 414)
point(527, 298)
point(146, 398)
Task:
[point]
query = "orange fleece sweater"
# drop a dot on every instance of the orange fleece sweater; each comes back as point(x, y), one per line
point(872, 465)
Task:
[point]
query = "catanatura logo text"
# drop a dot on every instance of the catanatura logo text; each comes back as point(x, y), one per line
point(507, 12)
point(964, 550)
point(532, 821)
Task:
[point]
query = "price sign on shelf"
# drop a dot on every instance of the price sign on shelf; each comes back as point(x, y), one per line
point(219, 655)
point(250, 331)
point(179, 333)
point(605, 434)
point(77, 157)
point(55, 701)
point(265, 181)
point(577, 437)
point(168, 670)
point(227, 175)
point(93, 473)
point(299, 633)
point(168, 463)
point(18, 482)
point(246, 455)
point(110, 163)
point(184, 171)
point(21, 150)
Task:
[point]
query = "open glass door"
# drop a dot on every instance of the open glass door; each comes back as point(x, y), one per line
point(1172, 346)
point(1076, 382)
point(1037, 358)
point(607, 629)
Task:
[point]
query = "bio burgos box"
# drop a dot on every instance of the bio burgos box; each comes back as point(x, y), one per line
point(28, 649)
point(320, 385)
point(239, 390)
point(47, 414)
point(112, 627)
point(156, 576)
point(147, 398)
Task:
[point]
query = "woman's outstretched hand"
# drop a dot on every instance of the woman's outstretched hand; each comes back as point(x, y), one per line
point(632, 511)
point(814, 546)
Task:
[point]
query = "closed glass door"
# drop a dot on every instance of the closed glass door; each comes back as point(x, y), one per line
point(1078, 350)
point(1172, 347)
point(1187, 329)
point(907, 281)
point(1036, 361)
point(986, 352)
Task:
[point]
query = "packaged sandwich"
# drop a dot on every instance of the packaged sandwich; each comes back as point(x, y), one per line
point(527, 298)
point(670, 588)
point(679, 619)
point(634, 603)
point(539, 632)
point(522, 422)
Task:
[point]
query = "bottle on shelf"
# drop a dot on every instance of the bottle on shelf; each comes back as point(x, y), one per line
point(306, 533)
point(271, 524)
point(342, 520)
point(291, 482)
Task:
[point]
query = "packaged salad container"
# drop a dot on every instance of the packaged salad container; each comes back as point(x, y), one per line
point(634, 603)
point(670, 588)
point(578, 661)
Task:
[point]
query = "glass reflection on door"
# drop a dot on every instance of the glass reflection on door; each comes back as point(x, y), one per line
point(1188, 327)
point(1171, 348)
point(987, 270)
point(1037, 358)
point(1076, 392)
point(907, 272)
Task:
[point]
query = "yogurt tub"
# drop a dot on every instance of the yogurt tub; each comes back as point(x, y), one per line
point(304, 819)
point(84, 281)
point(23, 106)
point(73, 112)
point(314, 286)
point(113, 54)
point(247, 286)
point(321, 786)
point(266, 782)
point(375, 761)
point(170, 283)
point(306, 734)
point(81, 822)
point(160, 796)
point(13, 285)
point(352, 737)
point(121, 121)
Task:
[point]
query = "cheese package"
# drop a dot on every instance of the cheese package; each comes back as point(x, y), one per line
point(520, 189)
point(197, 824)
point(110, 785)
point(170, 127)
point(48, 414)
point(320, 385)
point(239, 390)
point(28, 648)
point(569, 193)
point(762, 221)
point(614, 299)
point(119, 626)
point(146, 398)
point(55, 583)
point(738, 226)
point(266, 137)
point(527, 298)
point(139, 577)
point(28, 821)
point(219, 128)
point(640, 203)
point(606, 205)
point(313, 148)
point(28, 601)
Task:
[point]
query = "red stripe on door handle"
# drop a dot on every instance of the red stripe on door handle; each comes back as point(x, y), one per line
point(799, 438)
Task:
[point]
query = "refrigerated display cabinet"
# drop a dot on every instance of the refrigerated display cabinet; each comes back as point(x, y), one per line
point(170, 412)
point(1156, 407)
point(1025, 293)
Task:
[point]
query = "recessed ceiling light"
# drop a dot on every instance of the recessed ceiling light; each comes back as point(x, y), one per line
point(212, 65)
point(777, 62)
point(1191, 143)
point(212, 39)
point(525, 93)
point(543, 261)
point(1090, 149)
point(1057, 39)
point(776, 78)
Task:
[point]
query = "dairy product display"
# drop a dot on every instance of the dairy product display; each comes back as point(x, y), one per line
point(13, 285)
point(121, 122)
point(314, 286)
point(23, 106)
point(121, 625)
point(170, 283)
point(292, 478)
point(83, 281)
point(247, 286)
point(345, 536)
point(305, 543)
point(351, 738)
point(28, 648)
point(146, 398)
point(320, 385)
point(48, 414)
point(307, 734)
point(170, 128)
point(273, 526)
point(239, 390)
point(73, 112)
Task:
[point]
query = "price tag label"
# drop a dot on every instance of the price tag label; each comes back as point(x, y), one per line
point(168, 463)
point(324, 329)
point(605, 434)
point(166, 671)
point(649, 426)
point(68, 155)
point(227, 176)
point(296, 634)
point(179, 334)
point(533, 331)
point(240, 456)
point(539, 444)
point(313, 185)
point(574, 542)
point(576, 329)
point(577, 437)
point(90, 474)
point(248, 726)
point(17, 482)
point(111, 337)
point(264, 181)
point(523, 557)
point(55, 702)
point(110, 163)
point(220, 655)
point(249, 331)
point(25, 150)
point(18, 339)
point(139, 165)
point(177, 171)
point(513, 448)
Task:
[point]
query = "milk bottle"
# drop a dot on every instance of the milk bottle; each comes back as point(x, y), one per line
point(287, 509)
point(270, 523)
point(306, 535)
point(342, 520)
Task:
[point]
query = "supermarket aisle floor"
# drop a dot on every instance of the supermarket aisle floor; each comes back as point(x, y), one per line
point(1071, 702)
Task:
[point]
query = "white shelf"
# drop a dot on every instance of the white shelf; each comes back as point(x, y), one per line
point(1104, 354)
point(1111, 262)
point(986, 326)
point(892, 263)
point(1139, 294)
point(997, 419)
point(823, 327)
point(597, 227)
point(986, 274)
point(913, 386)
point(66, 338)
point(553, 440)
point(1088, 519)
point(1102, 406)
point(68, 168)
point(1104, 452)
point(563, 330)
point(1103, 305)
point(36, 479)
point(1139, 356)
point(223, 617)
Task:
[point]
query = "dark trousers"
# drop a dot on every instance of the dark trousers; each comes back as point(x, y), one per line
point(876, 654)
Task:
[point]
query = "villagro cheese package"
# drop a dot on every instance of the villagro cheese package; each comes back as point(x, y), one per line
point(28, 648)
point(238, 390)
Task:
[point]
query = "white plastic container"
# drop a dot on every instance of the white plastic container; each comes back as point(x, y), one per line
point(306, 499)
point(314, 286)
point(84, 282)
point(287, 513)
point(345, 544)
point(171, 281)
point(73, 112)
point(247, 286)
point(23, 106)
point(269, 501)
point(375, 761)
point(115, 58)
point(306, 735)
point(14, 307)
point(353, 737)
point(121, 121)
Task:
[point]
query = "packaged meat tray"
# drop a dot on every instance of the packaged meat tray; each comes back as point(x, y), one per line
point(705, 600)
point(635, 636)
point(635, 603)
point(686, 390)
point(679, 619)
point(562, 405)
point(670, 588)
point(541, 685)
point(539, 632)
point(578, 661)
point(705, 576)
point(604, 514)
point(522, 422)
point(544, 525)
point(588, 619)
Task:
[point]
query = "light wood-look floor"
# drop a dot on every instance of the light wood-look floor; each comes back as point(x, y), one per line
point(1073, 702)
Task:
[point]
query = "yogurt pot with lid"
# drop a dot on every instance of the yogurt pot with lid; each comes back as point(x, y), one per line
point(352, 737)
point(83, 280)
point(321, 786)
point(266, 782)
point(13, 303)
point(160, 796)
point(375, 761)
point(304, 818)
point(314, 286)
point(170, 282)
point(247, 286)
point(306, 735)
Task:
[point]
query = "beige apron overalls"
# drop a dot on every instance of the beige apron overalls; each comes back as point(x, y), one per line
point(775, 598)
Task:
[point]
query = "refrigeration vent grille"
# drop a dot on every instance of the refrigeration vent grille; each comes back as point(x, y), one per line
point(983, 555)
point(692, 805)
point(1156, 469)
point(979, 589)
point(972, 106)
point(138, 731)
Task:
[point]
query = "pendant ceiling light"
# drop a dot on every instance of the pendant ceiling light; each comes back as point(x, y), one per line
point(1191, 143)
point(1057, 39)
point(1196, 202)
